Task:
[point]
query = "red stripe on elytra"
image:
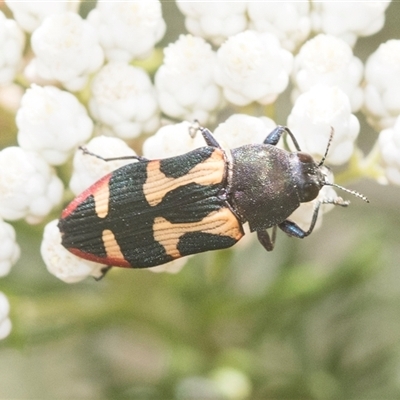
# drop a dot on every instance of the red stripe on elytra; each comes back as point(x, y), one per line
point(85, 194)
point(117, 262)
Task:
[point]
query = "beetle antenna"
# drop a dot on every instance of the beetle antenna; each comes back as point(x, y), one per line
point(353, 192)
point(327, 147)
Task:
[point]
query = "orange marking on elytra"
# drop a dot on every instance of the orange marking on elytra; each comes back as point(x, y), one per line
point(111, 246)
point(101, 200)
point(221, 222)
point(210, 171)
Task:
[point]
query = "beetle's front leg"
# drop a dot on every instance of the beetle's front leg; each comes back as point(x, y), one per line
point(292, 229)
point(207, 135)
point(267, 241)
point(276, 134)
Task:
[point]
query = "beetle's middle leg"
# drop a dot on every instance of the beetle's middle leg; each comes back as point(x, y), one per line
point(266, 240)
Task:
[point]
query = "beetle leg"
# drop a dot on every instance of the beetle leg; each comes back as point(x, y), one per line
point(86, 151)
point(103, 273)
point(267, 241)
point(275, 135)
point(207, 135)
point(209, 138)
point(292, 229)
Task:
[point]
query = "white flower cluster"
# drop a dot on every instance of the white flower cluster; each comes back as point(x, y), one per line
point(29, 187)
point(241, 129)
point(291, 22)
point(185, 82)
point(5, 322)
point(88, 169)
point(314, 114)
point(101, 75)
point(328, 60)
point(128, 30)
point(382, 85)
point(123, 101)
point(29, 15)
point(12, 43)
point(9, 255)
point(348, 20)
point(52, 123)
point(63, 264)
point(253, 67)
point(214, 20)
point(389, 146)
point(66, 49)
point(9, 249)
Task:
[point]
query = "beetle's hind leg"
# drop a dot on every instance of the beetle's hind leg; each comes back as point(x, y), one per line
point(86, 151)
point(266, 240)
point(206, 133)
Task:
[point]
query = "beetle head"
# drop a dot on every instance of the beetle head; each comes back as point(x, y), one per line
point(310, 176)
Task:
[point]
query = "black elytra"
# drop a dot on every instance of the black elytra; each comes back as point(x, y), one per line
point(151, 212)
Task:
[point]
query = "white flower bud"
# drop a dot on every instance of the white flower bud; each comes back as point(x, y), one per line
point(185, 82)
point(88, 169)
point(253, 67)
point(66, 49)
point(63, 264)
point(172, 140)
point(52, 122)
point(29, 187)
point(311, 119)
point(124, 100)
point(289, 21)
point(382, 85)
point(348, 19)
point(9, 249)
point(241, 129)
point(328, 60)
point(389, 146)
point(30, 14)
point(5, 322)
point(128, 30)
point(12, 41)
point(216, 20)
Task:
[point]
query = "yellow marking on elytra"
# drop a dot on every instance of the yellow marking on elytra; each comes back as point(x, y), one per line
point(221, 222)
point(111, 246)
point(209, 172)
point(101, 200)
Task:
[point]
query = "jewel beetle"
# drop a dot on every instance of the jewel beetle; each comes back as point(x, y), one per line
point(150, 212)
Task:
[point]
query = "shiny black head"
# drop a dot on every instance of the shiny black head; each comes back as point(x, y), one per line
point(307, 175)
point(310, 177)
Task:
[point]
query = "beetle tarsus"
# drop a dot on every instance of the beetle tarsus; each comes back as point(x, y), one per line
point(103, 271)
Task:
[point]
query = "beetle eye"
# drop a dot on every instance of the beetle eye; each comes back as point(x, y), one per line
point(304, 157)
point(309, 191)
